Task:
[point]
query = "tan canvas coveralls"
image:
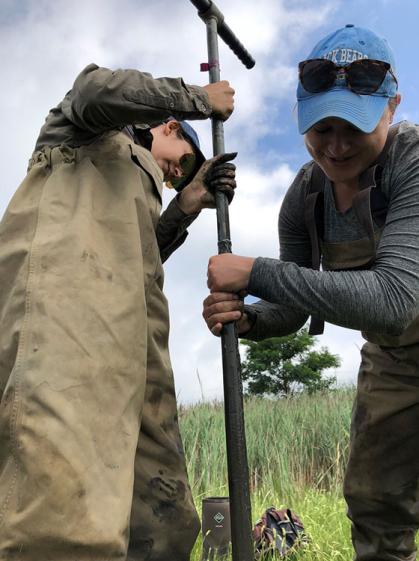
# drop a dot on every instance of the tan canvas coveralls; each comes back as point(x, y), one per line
point(91, 461)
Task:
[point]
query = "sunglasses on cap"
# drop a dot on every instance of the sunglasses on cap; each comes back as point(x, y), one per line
point(363, 76)
point(187, 164)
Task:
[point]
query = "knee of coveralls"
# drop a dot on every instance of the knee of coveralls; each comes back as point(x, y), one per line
point(164, 522)
point(382, 479)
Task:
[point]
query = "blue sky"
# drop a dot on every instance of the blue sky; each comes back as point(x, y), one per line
point(397, 21)
point(45, 43)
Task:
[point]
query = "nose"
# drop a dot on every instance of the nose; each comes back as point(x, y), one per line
point(339, 144)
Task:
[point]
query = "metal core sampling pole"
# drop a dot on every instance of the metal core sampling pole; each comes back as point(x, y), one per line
point(238, 471)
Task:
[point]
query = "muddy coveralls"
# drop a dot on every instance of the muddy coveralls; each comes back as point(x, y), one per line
point(91, 460)
point(382, 478)
point(381, 484)
point(369, 282)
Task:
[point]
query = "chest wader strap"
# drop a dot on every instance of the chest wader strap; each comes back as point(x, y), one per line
point(368, 203)
point(313, 216)
point(361, 203)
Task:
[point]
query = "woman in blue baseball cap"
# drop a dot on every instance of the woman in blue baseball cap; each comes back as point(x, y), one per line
point(349, 241)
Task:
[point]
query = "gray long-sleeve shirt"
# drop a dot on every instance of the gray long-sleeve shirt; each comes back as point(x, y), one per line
point(382, 299)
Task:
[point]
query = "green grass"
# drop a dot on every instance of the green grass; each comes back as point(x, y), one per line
point(324, 518)
point(298, 442)
point(297, 451)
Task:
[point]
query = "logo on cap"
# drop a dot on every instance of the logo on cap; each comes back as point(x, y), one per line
point(344, 56)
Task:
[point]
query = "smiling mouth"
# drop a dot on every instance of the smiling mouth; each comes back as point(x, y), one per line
point(339, 161)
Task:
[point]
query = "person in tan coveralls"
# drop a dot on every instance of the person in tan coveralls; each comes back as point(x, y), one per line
point(91, 460)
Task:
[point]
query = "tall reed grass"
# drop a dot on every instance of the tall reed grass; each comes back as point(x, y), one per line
point(292, 443)
point(297, 451)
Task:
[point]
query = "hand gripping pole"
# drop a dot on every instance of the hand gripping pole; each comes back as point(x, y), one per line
point(238, 471)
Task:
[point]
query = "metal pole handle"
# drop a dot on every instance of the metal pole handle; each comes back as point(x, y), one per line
point(206, 10)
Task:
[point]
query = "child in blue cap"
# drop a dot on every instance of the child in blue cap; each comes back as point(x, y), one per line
point(349, 255)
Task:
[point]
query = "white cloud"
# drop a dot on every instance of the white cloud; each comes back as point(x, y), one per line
point(253, 222)
point(45, 43)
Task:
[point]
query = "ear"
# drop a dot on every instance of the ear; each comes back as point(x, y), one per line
point(393, 104)
point(171, 127)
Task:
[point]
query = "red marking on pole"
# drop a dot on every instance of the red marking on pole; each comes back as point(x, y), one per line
point(206, 66)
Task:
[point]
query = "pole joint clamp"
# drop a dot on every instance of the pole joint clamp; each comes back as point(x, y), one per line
point(212, 12)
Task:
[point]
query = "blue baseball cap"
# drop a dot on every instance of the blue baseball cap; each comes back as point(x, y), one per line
point(344, 46)
point(192, 137)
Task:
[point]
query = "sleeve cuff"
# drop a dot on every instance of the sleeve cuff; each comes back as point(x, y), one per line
point(201, 100)
point(260, 274)
point(178, 215)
